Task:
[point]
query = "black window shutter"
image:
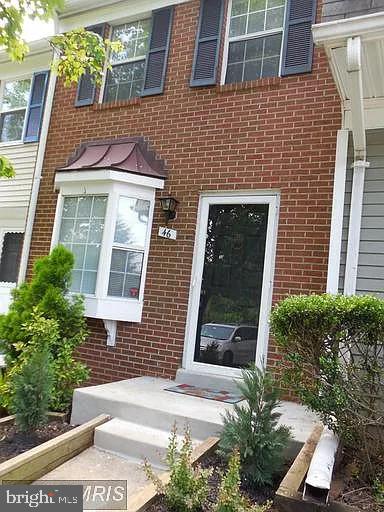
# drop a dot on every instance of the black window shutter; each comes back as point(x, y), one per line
point(157, 58)
point(207, 47)
point(298, 42)
point(86, 88)
point(35, 110)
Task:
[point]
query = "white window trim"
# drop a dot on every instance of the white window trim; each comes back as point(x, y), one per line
point(2, 85)
point(112, 184)
point(125, 61)
point(245, 37)
point(3, 232)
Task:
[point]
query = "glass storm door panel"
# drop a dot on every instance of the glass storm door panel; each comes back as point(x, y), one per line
point(231, 286)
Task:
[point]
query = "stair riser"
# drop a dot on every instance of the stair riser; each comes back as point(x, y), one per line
point(87, 407)
point(130, 448)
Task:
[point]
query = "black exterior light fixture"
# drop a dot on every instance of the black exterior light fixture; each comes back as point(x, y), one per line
point(169, 205)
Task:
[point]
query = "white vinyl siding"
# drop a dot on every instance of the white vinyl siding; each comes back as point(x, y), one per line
point(370, 273)
point(15, 192)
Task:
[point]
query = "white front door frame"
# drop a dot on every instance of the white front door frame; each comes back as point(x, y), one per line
point(269, 197)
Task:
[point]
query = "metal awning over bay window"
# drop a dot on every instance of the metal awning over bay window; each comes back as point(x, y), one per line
point(104, 216)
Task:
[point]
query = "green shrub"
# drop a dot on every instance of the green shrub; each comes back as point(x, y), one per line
point(378, 491)
point(230, 498)
point(32, 386)
point(252, 429)
point(46, 295)
point(335, 364)
point(187, 489)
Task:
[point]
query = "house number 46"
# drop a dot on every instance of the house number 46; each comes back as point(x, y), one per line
point(170, 234)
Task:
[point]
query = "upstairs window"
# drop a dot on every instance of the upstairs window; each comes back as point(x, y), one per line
point(255, 39)
point(14, 102)
point(126, 78)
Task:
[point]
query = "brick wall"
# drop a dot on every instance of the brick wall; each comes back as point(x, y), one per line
point(275, 133)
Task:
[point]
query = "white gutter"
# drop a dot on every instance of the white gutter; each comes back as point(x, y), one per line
point(369, 26)
point(37, 178)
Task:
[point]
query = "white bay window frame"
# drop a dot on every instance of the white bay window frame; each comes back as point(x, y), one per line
point(113, 184)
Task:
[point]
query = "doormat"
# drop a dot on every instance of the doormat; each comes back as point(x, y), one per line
point(209, 394)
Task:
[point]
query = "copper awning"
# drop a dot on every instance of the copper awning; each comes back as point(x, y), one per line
point(126, 155)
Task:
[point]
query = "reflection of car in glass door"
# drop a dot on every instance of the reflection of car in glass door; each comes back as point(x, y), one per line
point(230, 345)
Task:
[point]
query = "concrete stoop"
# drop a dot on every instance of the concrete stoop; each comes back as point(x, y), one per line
point(144, 412)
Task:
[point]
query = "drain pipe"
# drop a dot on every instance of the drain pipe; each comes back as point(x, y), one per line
point(319, 476)
point(37, 178)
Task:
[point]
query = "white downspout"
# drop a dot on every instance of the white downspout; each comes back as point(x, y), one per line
point(337, 212)
point(37, 178)
point(360, 163)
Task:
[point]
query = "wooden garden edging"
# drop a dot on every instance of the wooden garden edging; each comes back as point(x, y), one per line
point(52, 416)
point(289, 497)
point(33, 464)
point(147, 495)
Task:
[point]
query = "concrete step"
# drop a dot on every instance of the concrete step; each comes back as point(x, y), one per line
point(134, 441)
point(206, 380)
point(144, 401)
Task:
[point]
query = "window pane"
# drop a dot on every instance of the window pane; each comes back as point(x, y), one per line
point(256, 22)
point(12, 125)
point(252, 70)
point(238, 26)
point(81, 231)
point(275, 18)
point(16, 94)
point(239, 7)
point(10, 257)
point(236, 52)
point(124, 81)
point(132, 221)
point(134, 37)
point(125, 275)
point(261, 59)
point(234, 73)
point(256, 5)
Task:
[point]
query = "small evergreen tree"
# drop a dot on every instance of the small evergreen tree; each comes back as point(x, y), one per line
point(252, 429)
point(32, 390)
point(46, 295)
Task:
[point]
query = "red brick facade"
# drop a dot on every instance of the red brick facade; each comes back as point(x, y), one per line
point(275, 133)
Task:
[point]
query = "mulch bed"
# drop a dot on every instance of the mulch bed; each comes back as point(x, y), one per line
point(215, 462)
point(354, 493)
point(13, 442)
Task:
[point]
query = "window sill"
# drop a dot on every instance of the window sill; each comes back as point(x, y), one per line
point(108, 308)
point(116, 104)
point(261, 84)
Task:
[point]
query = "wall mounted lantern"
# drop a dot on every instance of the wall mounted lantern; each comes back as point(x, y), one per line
point(169, 205)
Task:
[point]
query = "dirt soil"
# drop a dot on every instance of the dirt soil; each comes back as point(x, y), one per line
point(13, 442)
point(213, 461)
point(348, 489)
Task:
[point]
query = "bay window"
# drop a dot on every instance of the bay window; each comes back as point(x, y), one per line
point(255, 35)
point(105, 219)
